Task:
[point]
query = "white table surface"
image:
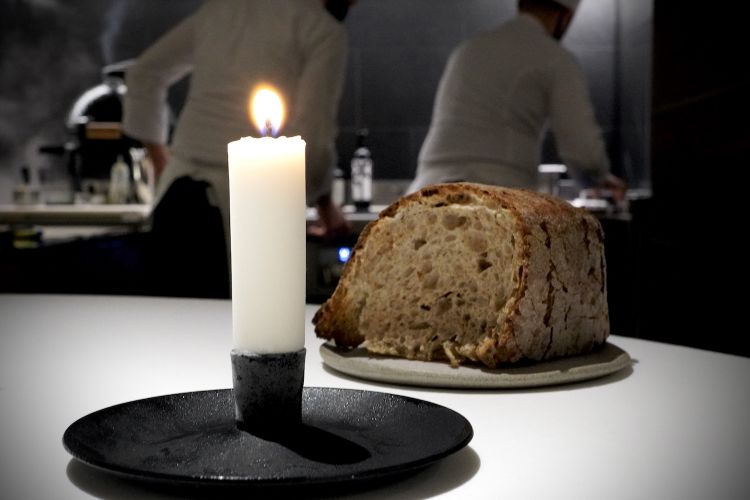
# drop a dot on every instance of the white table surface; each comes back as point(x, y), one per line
point(675, 426)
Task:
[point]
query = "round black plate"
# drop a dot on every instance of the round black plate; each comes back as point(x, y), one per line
point(346, 436)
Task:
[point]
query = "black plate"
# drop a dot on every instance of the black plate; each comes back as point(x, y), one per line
point(346, 436)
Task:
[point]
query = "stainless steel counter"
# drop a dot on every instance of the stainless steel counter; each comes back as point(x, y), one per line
point(75, 215)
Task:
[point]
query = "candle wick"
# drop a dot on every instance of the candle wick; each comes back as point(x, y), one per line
point(268, 128)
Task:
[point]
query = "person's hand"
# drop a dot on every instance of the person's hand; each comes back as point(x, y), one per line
point(616, 186)
point(608, 187)
point(331, 222)
point(159, 154)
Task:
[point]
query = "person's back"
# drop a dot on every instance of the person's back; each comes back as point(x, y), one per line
point(230, 47)
point(498, 92)
point(240, 43)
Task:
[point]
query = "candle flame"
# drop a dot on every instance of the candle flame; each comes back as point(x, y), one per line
point(266, 110)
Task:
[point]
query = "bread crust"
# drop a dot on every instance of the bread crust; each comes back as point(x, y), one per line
point(557, 303)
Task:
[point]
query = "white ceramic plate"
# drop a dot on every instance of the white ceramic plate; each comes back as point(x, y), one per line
point(359, 363)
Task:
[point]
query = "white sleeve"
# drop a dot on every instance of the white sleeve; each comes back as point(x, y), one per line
point(315, 114)
point(145, 111)
point(577, 135)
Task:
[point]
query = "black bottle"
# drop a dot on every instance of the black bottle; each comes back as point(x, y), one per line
point(361, 181)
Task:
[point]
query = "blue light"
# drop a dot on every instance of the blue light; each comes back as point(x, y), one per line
point(344, 253)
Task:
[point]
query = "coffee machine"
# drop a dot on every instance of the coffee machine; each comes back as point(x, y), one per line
point(96, 139)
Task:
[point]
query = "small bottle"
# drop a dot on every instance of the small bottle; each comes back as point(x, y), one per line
point(339, 187)
point(25, 193)
point(361, 166)
point(119, 182)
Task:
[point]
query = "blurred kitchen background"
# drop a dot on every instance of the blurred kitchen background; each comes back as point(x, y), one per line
point(669, 82)
point(52, 51)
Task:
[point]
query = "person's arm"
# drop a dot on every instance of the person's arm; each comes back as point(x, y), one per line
point(315, 117)
point(315, 111)
point(159, 155)
point(577, 135)
point(145, 111)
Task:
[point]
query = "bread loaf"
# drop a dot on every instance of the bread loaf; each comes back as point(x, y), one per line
point(473, 272)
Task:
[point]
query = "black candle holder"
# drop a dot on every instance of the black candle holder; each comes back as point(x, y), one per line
point(268, 432)
point(268, 391)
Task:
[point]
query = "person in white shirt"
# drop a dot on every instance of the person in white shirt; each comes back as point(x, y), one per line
point(497, 94)
point(228, 47)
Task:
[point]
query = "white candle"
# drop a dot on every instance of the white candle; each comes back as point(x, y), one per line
point(267, 223)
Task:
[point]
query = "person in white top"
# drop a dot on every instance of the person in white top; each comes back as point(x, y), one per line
point(228, 47)
point(498, 93)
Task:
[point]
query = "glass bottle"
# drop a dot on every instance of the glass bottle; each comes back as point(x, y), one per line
point(361, 178)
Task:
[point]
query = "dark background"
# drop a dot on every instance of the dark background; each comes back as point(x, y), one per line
point(694, 273)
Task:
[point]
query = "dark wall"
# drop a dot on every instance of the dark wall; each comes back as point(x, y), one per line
point(633, 89)
point(694, 280)
point(52, 50)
